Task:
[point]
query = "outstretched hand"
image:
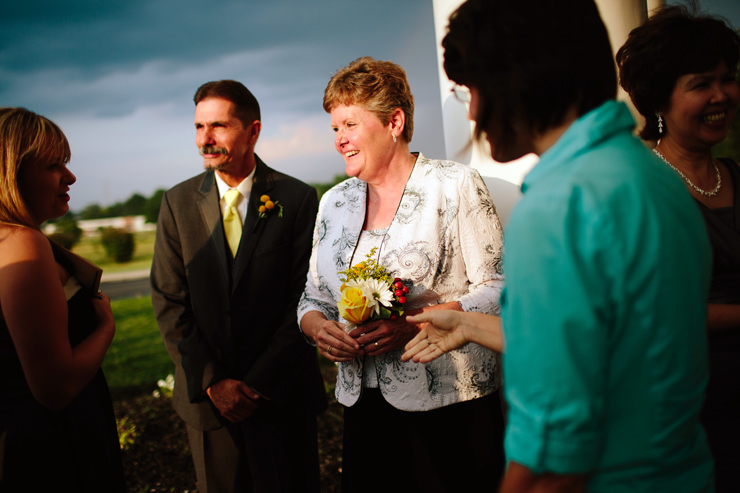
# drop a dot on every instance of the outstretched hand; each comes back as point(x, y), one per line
point(446, 330)
point(440, 334)
point(382, 336)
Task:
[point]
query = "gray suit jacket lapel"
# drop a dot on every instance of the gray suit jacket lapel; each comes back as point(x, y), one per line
point(211, 213)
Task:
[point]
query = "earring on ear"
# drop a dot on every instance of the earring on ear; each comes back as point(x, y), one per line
point(660, 123)
point(394, 138)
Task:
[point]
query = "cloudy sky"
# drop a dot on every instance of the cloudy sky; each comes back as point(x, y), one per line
point(118, 76)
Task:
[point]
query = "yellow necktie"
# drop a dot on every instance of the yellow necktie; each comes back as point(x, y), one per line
point(232, 224)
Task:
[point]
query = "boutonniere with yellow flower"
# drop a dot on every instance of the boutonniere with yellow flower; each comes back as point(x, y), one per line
point(369, 293)
point(267, 206)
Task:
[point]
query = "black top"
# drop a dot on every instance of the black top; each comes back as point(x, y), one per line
point(721, 413)
point(723, 227)
point(75, 449)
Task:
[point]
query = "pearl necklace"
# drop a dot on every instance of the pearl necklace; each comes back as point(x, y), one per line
point(686, 179)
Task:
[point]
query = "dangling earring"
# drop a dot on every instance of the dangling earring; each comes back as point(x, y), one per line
point(660, 123)
point(394, 138)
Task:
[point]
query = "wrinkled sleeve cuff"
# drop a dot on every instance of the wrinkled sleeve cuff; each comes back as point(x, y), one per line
point(541, 452)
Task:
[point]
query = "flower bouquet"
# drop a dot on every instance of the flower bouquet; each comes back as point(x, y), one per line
point(369, 293)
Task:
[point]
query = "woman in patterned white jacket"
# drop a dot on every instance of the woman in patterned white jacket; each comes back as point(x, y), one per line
point(432, 223)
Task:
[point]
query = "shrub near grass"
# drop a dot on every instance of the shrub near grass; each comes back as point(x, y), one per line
point(137, 358)
point(118, 243)
point(91, 248)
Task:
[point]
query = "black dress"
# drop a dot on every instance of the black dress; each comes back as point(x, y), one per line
point(72, 450)
point(721, 413)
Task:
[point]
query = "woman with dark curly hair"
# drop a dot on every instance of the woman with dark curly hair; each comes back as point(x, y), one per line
point(680, 69)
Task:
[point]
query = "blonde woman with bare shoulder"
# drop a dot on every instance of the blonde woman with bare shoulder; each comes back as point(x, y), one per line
point(57, 428)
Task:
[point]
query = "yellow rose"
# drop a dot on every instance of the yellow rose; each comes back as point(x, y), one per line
point(354, 306)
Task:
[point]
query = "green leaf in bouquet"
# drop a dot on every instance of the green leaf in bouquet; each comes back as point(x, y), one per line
point(385, 313)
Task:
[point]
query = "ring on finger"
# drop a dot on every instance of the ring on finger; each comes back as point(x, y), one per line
point(330, 348)
point(376, 344)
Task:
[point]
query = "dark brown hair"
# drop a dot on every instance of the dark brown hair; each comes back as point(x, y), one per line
point(246, 107)
point(673, 42)
point(530, 63)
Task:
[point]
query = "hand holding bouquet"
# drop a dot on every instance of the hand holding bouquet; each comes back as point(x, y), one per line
point(369, 293)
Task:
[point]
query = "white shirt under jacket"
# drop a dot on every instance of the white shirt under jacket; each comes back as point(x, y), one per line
point(447, 240)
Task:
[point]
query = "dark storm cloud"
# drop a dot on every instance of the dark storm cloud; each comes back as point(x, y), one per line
point(118, 76)
point(52, 53)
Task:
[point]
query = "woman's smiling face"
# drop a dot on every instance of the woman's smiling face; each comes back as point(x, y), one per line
point(702, 107)
point(363, 141)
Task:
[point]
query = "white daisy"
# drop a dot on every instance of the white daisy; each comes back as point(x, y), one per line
point(378, 291)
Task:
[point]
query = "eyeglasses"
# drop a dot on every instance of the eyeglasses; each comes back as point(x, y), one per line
point(461, 93)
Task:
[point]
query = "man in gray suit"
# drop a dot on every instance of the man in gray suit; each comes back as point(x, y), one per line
point(226, 279)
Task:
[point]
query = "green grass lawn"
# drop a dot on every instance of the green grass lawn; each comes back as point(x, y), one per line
point(137, 358)
point(91, 249)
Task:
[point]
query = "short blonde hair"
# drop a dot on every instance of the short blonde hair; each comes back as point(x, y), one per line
point(376, 86)
point(26, 138)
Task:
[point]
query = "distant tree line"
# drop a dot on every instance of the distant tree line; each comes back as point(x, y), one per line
point(119, 244)
point(135, 205)
point(322, 188)
point(138, 205)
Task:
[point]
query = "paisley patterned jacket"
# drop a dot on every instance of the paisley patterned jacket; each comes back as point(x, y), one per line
point(447, 240)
